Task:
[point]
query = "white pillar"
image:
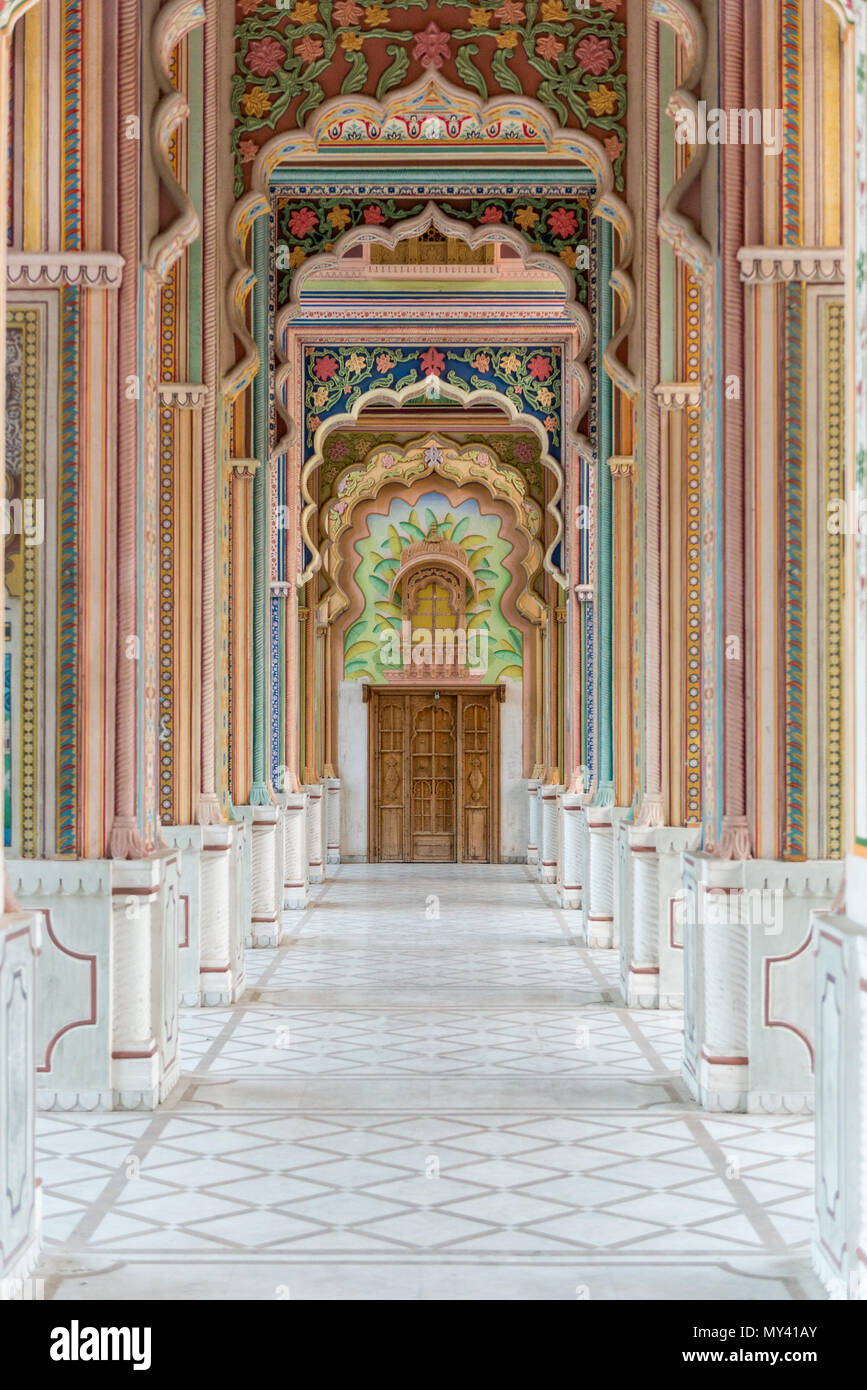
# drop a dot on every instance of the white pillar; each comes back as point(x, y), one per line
point(213, 922)
point(221, 953)
point(145, 1057)
point(20, 1214)
point(533, 786)
point(266, 873)
point(748, 980)
point(332, 819)
point(548, 832)
point(599, 891)
point(295, 873)
point(570, 877)
point(840, 1236)
point(315, 837)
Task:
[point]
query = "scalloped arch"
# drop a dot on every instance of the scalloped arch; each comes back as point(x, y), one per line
point(430, 95)
point(387, 396)
point(387, 465)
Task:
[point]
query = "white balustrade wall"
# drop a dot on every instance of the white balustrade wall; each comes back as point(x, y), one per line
point(749, 1025)
point(20, 1215)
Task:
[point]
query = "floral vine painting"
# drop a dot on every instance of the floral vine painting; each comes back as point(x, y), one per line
point(291, 58)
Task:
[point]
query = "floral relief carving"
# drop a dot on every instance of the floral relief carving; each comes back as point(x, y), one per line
point(290, 60)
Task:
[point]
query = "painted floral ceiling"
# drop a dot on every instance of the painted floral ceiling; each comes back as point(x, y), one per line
point(288, 61)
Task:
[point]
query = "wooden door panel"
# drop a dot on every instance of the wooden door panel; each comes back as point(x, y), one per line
point(433, 769)
point(434, 777)
point(476, 778)
point(390, 781)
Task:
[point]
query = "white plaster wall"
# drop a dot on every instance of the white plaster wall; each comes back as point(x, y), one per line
point(352, 767)
point(514, 813)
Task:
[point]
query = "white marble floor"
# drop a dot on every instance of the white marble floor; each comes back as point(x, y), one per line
point(429, 1091)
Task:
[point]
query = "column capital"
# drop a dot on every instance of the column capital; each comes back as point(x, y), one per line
point(783, 265)
point(621, 465)
point(244, 468)
point(678, 395)
point(183, 395)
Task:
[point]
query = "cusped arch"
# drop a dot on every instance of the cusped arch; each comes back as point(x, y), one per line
point(382, 395)
point(433, 216)
point(430, 96)
point(387, 466)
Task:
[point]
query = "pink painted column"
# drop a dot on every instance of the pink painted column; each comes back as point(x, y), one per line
point(734, 833)
point(209, 809)
point(126, 841)
point(651, 812)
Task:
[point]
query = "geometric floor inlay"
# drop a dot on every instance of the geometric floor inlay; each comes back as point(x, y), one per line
point(430, 1090)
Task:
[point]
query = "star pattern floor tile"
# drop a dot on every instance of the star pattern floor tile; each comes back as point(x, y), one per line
point(416, 1106)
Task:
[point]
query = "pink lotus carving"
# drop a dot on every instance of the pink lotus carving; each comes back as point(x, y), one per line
point(325, 367)
point(594, 55)
point(539, 368)
point(431, 46)
point(562, 222)
point(265, 56)
point(302, 221)
point(432, 362)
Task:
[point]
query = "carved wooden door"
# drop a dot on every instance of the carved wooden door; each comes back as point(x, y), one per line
point(389, 782)
point(434, 777)
point(433, 752)
point(477, 811)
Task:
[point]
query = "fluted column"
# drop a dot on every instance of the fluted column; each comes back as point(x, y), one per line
point(548, 832)
point(295, 870)
point(332, 819)
point(315, 854)
point(570, 877)
point(266, 873)
point(533, 785)
point(599, 894)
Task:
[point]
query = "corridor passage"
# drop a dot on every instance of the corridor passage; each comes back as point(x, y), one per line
point(430, 1091)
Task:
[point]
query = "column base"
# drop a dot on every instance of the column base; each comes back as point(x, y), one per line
point(315, 832)
point(296, 888)
point(570, 860)
point(266, 874)
point(332, 819)
point(533, 785)
point(840, 1232)
point(600, 926)
point(648, 910)
point(211, 956)
point(549, 832)
point(20, 1204)
point(107, 978)
point(748, 980)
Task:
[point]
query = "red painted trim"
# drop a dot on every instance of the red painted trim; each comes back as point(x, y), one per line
point(185, 899)
point(77, 1022)
point(126, 1056)
point(215, 969)
point(135, 892)
point(779, 1022)
point(678, 898)
point(825, 1246)
point(725, 1061)
point(216, 849)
